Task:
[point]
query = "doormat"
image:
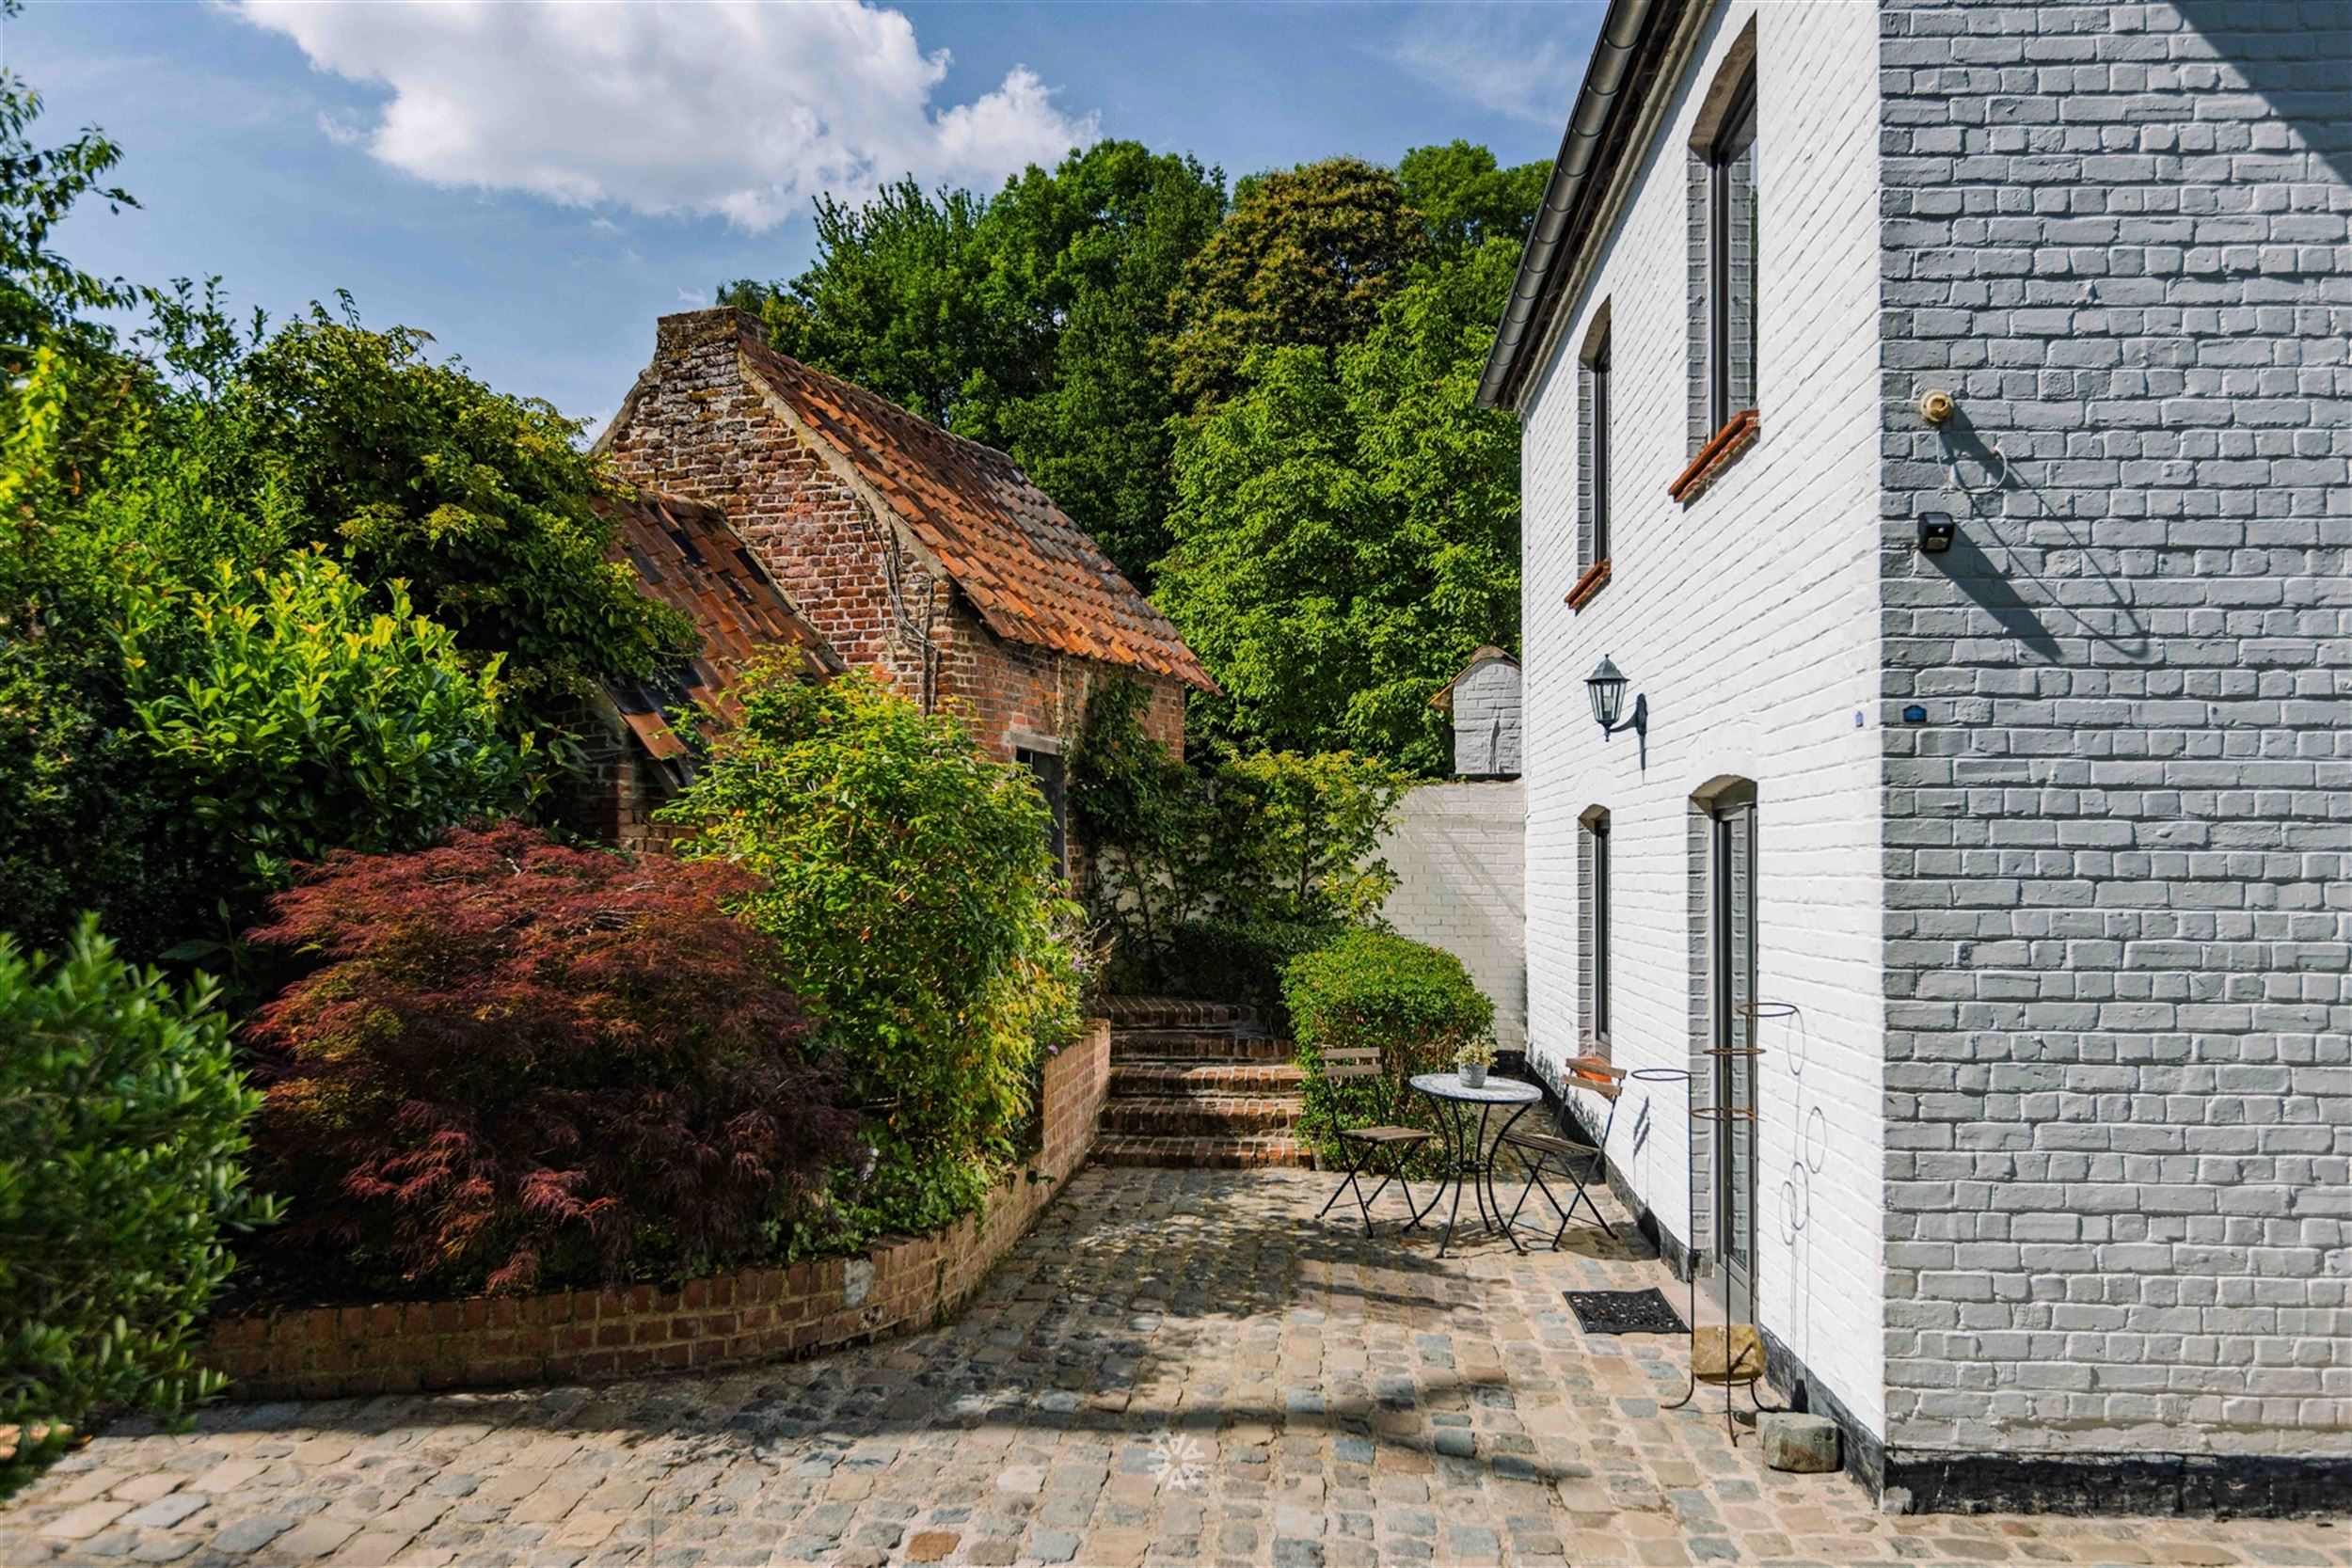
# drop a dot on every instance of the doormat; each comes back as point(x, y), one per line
point(1624, 1312)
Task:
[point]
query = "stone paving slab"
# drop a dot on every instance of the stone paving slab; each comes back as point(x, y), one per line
point(1177, 1368)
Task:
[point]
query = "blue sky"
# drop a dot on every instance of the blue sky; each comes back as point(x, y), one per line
point(534, 184)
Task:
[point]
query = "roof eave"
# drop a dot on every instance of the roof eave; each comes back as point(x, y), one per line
point(1631, 38)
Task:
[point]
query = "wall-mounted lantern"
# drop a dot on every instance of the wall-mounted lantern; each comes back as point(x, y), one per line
point(1936, 532)
point(1608, 689)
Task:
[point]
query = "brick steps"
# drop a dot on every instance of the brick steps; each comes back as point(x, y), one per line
point(1174, 1013)
point(1196, 1044)
point(1148, 1077)
point(1219, 1153)
point(1200, 1084)
point(1202, 1116)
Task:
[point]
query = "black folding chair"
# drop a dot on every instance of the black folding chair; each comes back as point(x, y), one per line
point(1569, 1158)
point(1367, 1145)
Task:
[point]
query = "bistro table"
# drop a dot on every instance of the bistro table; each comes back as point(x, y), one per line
point(1470, 1154)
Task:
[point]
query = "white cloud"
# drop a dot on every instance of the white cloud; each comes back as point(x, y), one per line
point(734, 109)
point(1525, 61)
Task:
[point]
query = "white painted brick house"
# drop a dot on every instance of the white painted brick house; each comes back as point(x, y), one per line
point(2022, 862)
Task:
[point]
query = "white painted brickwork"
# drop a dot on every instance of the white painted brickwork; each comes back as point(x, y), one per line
point(1486, 717)
point(1458, 850)
point(2118, 1101)
point(1749, 621)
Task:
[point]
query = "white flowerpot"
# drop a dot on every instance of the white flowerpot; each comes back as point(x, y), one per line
point(1473, 1075)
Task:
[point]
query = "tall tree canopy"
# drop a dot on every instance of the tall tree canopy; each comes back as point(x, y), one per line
point(901, 301)
point(1307, 256)
point(1347, 527)
point(1466, 199)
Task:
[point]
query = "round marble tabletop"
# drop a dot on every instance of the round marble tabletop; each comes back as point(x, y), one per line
point(1494, 1091)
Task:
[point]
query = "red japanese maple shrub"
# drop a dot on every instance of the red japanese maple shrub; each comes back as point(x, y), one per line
point(519, 1064)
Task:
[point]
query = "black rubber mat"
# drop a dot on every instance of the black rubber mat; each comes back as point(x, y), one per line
point(1624, 1312)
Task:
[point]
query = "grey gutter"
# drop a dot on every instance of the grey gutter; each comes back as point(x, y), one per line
point(1600, 105)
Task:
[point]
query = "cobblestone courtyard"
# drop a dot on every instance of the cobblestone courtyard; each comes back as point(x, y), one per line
point(1177, 1368)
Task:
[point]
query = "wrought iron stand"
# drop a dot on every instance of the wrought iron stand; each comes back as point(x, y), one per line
point(1736, 1370)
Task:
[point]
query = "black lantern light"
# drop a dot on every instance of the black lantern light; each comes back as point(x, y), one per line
point(1608, 688)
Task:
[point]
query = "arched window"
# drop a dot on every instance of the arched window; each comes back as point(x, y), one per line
point(1594, 456)
point(1594, 877)
point(1723, 256)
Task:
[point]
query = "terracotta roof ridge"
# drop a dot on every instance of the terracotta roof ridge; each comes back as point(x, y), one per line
point(869, 394)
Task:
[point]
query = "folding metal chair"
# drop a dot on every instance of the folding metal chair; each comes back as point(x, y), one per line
point(1355, 1064)
point(1569, 1158)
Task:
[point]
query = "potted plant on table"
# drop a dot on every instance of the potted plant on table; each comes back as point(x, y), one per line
point(1472, 1060)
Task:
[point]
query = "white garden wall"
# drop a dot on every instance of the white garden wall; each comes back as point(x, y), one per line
point(1749, 619)
point(1459, 852)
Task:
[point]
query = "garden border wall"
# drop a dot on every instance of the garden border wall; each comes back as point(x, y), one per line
point(752, 1314)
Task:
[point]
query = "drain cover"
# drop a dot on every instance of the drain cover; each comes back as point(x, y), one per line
point(1624, 1312)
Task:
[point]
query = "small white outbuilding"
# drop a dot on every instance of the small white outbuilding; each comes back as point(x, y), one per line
point(1485, 701)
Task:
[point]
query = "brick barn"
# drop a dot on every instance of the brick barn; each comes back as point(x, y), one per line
point(896, 546)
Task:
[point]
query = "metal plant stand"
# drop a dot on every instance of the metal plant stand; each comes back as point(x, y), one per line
point(1736, 1370)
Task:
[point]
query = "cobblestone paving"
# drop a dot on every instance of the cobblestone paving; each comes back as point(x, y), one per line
point(1178, 1368)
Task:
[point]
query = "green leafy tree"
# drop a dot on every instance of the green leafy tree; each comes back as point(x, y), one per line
point(44, 298)
point(908, 884)
point(478, 501)
point(1305, 256)
point(1103, 242)
point(121, 1163)
point(127, 479)
point(1465, 197)
point(1348, 529)
point(903, 300)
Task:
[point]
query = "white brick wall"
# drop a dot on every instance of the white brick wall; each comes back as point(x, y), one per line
point(1749, 619)
point(1487, 713)
point(1460, 851)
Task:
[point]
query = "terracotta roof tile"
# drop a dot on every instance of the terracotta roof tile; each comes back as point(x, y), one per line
point(1033, 575)
point(688, 556)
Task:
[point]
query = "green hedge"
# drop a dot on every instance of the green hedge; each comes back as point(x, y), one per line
point(1412, 1002)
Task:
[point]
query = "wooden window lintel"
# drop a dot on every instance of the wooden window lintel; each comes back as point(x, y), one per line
point(1589, 584)
point(1737, 435)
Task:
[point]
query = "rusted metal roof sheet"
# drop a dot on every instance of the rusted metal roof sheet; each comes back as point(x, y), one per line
point(1033, 575)
point(687, 555)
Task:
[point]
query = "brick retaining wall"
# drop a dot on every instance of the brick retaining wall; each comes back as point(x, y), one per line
point(495, 1341)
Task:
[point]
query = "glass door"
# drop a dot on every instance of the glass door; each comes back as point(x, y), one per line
point(1733, 966)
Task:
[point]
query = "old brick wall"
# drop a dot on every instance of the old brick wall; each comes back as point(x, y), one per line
point(619, 787)
point(696, 426)
point(2118, 1105)
point(752, 1314)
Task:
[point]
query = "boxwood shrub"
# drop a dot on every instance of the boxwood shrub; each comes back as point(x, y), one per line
point(1414, 1004)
